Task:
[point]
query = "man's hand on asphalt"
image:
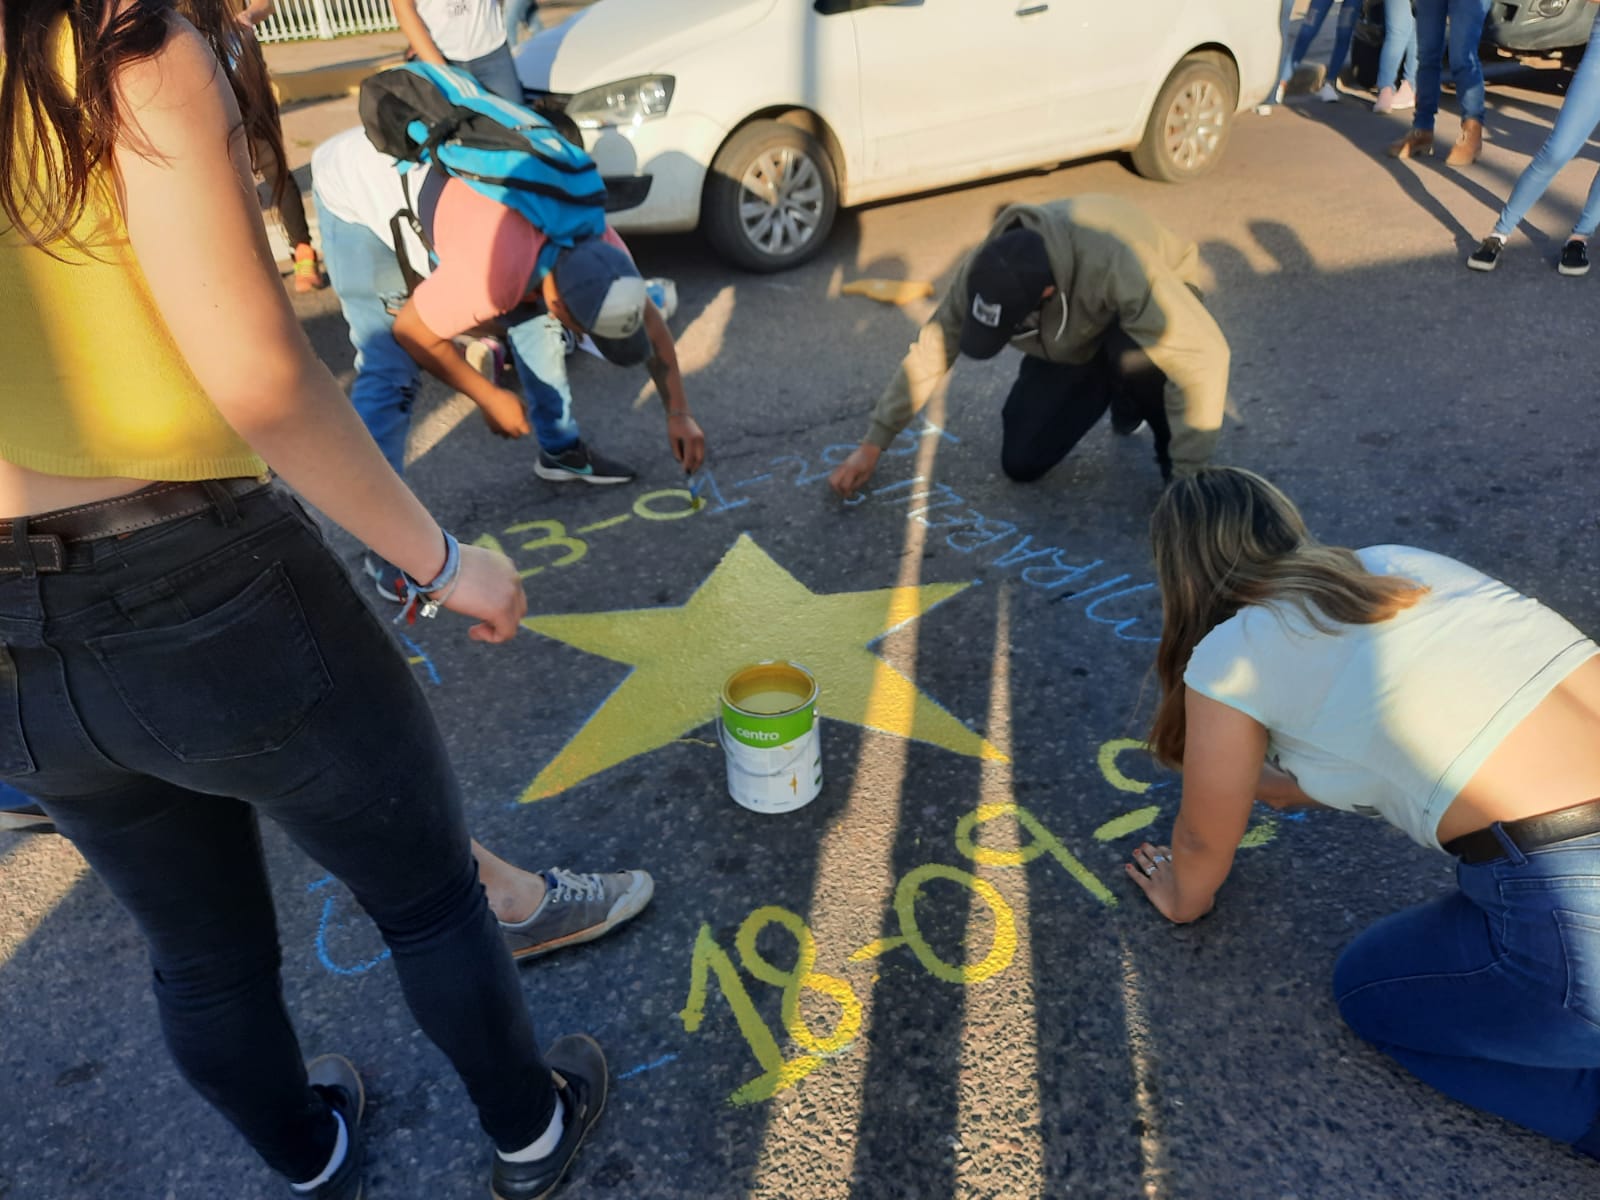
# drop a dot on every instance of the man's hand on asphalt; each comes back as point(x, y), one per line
point(687, 441)
point(850, 476)
point(505, 413)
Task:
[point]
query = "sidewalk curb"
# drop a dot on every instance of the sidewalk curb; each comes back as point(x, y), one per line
point(326, 83)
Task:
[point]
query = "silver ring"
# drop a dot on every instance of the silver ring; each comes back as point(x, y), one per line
point(1160, 858)
point(1149, 871)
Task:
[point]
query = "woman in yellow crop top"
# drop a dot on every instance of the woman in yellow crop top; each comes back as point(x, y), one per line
point(1409, 683)
point(180, 653)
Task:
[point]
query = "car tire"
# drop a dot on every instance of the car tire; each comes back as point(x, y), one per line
point(762, 224)
point(1189, 123)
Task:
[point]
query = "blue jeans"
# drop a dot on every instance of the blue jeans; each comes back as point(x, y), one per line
point(495, 72)
point(1579, 115)
point(1312, 25)
point(520, 15)
point(1399, 44)
point(539, 352)
point(367, 280)
point(1465, 20)
point(1492, 994)
point(169, 688)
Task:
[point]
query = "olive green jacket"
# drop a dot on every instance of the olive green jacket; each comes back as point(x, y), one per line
point(1113, 265)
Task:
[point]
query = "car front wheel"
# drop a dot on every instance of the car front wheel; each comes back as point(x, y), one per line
point(771, 197)
point(1189, 124)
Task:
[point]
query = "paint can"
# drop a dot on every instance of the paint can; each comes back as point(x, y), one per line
point(770, 737)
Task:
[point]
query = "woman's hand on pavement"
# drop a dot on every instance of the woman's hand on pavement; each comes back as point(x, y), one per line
point(1151, 869)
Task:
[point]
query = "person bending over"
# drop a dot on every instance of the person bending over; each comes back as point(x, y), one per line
point(1397, 683)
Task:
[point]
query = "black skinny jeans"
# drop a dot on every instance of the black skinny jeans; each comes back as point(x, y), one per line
point(1052, 405)
point(170, 687)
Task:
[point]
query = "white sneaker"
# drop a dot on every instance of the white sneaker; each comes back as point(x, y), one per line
point(1405, 96)
point(1328, 94)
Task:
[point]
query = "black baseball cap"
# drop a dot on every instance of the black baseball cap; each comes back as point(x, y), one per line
point(1005, 283)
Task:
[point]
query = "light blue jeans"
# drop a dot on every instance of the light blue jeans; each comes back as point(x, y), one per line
point(1465, 21)
point(367, 280)
point(1492, 994)
point(496, 72)
point(1399, 44)
point(1579, 115)
point(1312, 25)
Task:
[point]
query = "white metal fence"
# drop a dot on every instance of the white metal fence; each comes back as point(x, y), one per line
point(293, 20)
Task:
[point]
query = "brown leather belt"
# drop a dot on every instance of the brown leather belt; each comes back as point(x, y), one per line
point(49, 533)
point(1530, 833)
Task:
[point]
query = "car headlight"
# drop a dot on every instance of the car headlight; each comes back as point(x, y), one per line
point(626, 102)
point(1550, 8)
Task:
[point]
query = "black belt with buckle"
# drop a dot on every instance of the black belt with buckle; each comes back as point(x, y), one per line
point(1530, 833)
point(47, 534)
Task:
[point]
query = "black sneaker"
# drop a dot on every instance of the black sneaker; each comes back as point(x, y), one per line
point(388, 579)
point(1574, 258)
point(579, 1068)
point(338, 1082)
point(1126, 418)
point(1487, 256)
point(580, 462)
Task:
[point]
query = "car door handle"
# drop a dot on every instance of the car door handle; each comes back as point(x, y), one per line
point(1029, 10)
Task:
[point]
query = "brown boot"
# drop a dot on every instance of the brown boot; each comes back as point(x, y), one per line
point(1468, 146)
point(1417, 143)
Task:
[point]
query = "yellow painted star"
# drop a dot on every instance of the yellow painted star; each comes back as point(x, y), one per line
point(748, 609)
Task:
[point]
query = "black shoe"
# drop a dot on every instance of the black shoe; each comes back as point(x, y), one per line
point(25, 818)
point(338, 1082)
point(580, 462)
point(579, 1067)
point(387, 578)
point(1487, 256)
point(1574, 258)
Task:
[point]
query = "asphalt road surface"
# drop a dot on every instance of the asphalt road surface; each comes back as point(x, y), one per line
point(932, 981)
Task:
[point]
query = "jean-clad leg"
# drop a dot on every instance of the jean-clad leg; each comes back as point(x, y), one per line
point(539, 353)
point(1431, 16)
point(1473, 996)
point(1310, 26)
point(366, 278)
point(1579, 115)
point(1466, 31)
point(1349, 10)
point(1286, 61)
point(1399, 43)
point(163, 700)
point(212, 934)
point(496, 72)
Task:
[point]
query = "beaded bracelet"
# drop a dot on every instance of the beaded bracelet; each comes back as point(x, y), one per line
point(443, 583)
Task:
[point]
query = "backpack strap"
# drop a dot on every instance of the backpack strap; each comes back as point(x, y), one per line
point(408, 215)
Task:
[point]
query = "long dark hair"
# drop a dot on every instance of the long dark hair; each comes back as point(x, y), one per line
point(1224, 538)
point(57, 132)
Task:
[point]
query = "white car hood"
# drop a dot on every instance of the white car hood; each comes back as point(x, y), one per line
point(617, 39)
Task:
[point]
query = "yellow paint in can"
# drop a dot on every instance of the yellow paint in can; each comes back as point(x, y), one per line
point(770, 737)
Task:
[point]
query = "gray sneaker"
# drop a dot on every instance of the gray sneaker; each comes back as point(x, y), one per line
point(578, 908)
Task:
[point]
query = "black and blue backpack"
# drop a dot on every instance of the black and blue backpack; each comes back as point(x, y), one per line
point(440, 117)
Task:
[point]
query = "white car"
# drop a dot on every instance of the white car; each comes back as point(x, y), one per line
point(758, 119)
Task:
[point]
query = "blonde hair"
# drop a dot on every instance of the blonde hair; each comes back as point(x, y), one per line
point(1224, 538)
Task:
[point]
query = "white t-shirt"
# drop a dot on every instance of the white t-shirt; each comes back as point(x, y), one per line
point(463, 29)
point(1392, 719)
point(358, 183)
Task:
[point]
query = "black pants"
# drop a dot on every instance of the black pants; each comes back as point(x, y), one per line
point(171, 687)
point(1052, 405)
